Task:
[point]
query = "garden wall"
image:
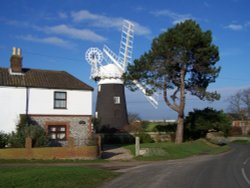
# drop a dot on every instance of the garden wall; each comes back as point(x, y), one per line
point(83, 152)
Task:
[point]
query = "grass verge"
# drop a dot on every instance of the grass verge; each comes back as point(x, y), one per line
point(165, 151)
point(242, 141)
point(56, 177)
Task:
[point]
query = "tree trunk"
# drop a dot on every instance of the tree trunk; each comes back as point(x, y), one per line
point(179, 131)
point(180, 125)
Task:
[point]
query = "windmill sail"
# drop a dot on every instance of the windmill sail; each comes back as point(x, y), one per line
point(150, 98)
point(125, 56)
point(126, 44)
point(111, 57)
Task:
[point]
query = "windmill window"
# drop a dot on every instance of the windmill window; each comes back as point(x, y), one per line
point(60, 100)
point(117, 100)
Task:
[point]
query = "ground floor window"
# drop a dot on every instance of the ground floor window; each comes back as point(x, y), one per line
point(57, 132)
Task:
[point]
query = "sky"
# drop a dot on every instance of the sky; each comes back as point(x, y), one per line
point(56, 34)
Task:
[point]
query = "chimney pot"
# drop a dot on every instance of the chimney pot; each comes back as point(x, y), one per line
point(19, 52)
point(14, 51)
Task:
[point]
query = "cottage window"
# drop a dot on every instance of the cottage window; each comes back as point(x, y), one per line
point(60, 100)
point(57, 132)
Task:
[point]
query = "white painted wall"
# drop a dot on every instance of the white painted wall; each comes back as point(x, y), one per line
point(12, 103)
point(41, 101)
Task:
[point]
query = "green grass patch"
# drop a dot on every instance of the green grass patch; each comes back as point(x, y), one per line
point(56, 177)
point(165, 151)
point(241, 142)
point(150, 127)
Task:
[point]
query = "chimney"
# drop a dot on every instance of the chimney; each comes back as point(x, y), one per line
point(16, 60)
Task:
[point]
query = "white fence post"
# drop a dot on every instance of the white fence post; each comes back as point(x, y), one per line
point(137, 146)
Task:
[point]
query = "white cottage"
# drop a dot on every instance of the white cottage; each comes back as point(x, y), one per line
point(55, 100)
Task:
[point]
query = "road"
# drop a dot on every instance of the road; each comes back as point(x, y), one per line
point(229, 170)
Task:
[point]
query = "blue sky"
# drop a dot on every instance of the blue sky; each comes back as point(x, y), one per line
point(55, 35)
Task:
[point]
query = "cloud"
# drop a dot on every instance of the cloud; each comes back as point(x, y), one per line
point(106, 22)
point(234, 27)
point(71, 32)
point(238, 27)
point(47, 40)
point(175, 17)
point(15, 23)
point(98, 20)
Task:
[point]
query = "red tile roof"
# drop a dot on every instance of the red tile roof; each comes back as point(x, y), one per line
point(36, 78)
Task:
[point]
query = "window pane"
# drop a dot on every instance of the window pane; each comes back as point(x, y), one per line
point(60, 95)
point(53, 136)
point(61, 136)
point(60, 104)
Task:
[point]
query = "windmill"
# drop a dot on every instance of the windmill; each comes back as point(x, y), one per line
point(107, 69)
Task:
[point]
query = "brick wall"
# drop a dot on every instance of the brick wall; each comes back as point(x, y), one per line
point(244, 126)
point(78, 127)
point(83, 152)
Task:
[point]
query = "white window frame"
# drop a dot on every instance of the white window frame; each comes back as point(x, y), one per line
point(117, 100)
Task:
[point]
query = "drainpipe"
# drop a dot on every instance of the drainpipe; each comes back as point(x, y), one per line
point(27, 106)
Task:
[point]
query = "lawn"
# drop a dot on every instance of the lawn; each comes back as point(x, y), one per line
point(165, 151)
point(242, 141)
point(56, 177)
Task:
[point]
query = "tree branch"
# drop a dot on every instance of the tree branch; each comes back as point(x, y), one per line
point(173, 97)
point(165, 96)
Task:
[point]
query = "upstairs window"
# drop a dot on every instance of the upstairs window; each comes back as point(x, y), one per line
point(60, 100)
point(57, 132)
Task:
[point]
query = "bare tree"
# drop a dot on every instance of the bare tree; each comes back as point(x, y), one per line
point(239, 104)
point(132, 117)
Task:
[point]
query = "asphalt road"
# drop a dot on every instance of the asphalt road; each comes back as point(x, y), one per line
point(230, 170)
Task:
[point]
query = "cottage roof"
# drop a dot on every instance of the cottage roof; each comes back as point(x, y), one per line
point(36, 78)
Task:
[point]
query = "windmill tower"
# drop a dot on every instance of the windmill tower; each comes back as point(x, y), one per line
point(107, 69)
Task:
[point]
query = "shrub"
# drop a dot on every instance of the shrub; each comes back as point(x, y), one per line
point(198, 122)
point(134, 127)
point(144, 137)
point(3, 139)
point(23, 130)
point(169, 127)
